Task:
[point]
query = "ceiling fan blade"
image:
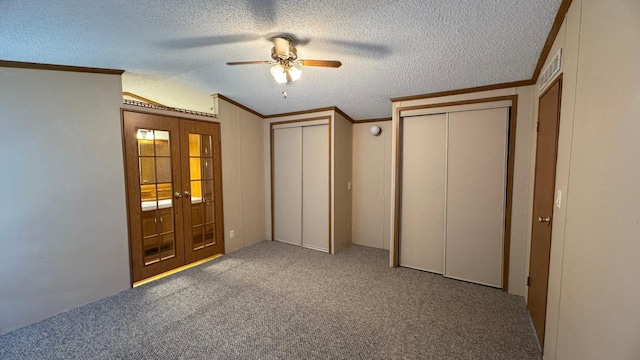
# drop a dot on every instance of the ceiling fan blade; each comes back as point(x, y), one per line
point(205, 41)
point(322, 63)
point(250, 62)
point(263, 12)
point(360, 48)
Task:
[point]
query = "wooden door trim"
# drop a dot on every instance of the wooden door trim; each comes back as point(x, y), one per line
point(169, 113)
point(330, 174)
point(513, 115)
point(271, 158)
point(126, 189)
point(558, 80)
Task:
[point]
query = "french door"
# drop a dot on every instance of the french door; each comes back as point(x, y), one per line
point(173, 190)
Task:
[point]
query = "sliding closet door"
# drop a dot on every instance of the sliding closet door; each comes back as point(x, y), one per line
point(477, 163)
point(423, 192)
point(315, 187)
point(287, 185)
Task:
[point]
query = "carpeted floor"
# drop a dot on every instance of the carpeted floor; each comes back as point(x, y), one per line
point(278, 301)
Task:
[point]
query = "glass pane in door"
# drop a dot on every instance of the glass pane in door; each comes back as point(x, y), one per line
point(156, 200)
point(201, 174)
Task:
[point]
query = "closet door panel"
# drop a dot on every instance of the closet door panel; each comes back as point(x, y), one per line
point(423, 192)
point(315, 187)
point(287, 185)
point(477, 154)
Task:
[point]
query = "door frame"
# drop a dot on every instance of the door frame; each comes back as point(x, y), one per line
point(271, 159)
point(558, 80)
point(513, 115)
point(175, 114)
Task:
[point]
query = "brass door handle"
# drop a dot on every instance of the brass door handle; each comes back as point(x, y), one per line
point(544, 220)
point(177, 195)
point(187, 193)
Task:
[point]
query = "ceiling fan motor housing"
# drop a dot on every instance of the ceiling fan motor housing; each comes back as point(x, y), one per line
point(291, 55)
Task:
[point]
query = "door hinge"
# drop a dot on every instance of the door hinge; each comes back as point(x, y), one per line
point(538, 126)
point(528, 280)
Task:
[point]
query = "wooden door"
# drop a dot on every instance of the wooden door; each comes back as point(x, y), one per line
point(315, 187)
point(153, 190)
point(476, 195)
point(424, 157)
point(202, 189)
point(544, 188)
point(287, 185)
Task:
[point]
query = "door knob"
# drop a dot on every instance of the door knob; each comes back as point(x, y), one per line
point(177, 195)
point(544, 220)
point(187, 193)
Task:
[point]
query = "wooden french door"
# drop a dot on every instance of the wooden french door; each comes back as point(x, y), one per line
point(174, 192)
point(543, 197)
point(202, 179)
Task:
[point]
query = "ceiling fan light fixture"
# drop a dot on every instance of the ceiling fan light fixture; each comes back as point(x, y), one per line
point(295, 73)
point(285, 73)
point(279, 73)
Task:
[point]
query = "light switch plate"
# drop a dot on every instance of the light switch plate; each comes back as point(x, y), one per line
point(348, 186)
point(232, 234)
point(558, 201)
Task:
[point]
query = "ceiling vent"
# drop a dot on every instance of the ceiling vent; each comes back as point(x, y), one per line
point(552, 69)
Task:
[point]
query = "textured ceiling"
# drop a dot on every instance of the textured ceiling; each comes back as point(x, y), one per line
point(388, 48)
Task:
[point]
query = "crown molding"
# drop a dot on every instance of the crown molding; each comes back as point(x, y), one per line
point(40, 66)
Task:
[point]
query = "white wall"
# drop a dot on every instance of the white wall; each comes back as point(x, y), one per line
point(63, 225)
point(371, 185)
point(342, 169)
point(522, 181)
point(595, 273)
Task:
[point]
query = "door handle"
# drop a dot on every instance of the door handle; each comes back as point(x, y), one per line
point(187, 193)
point(544, 220)
point(177, 195)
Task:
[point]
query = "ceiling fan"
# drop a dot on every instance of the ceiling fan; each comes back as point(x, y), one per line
point(286, 65)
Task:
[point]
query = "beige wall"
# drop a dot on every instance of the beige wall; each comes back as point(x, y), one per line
point(253, 182)
point(63, 225)
point(342, 167)
point(242, 175)
point(594, 292)
point(523, 182)
point(371, 189)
